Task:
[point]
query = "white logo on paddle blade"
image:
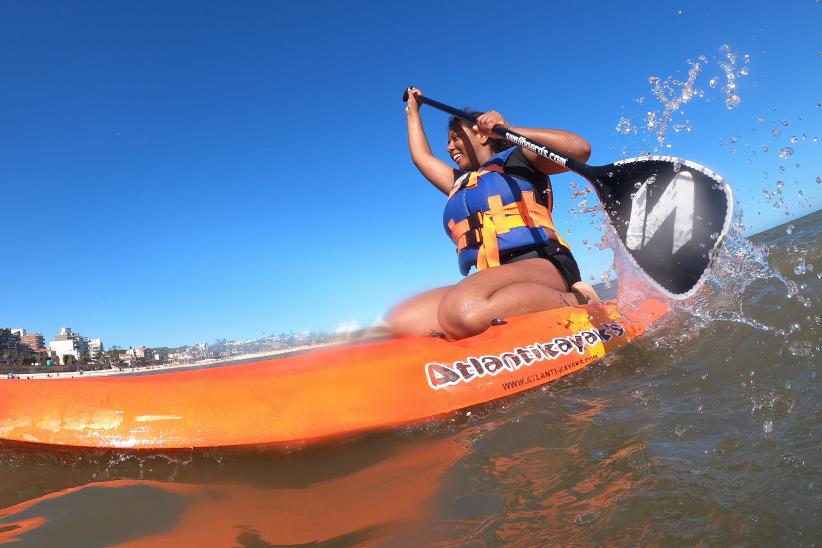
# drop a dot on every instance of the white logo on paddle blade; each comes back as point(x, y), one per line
point(677, 200)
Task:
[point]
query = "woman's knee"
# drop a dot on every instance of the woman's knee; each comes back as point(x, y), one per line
point(463, 315)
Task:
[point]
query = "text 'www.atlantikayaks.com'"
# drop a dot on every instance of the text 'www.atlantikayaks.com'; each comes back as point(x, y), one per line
point(537, 377)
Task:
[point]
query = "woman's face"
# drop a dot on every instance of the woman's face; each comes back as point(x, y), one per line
point(463, 144)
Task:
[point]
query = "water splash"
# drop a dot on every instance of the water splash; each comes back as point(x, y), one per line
point(739, 268)
point(729, 65)
point(625, 127)
point(738, 263)
point(673, 94)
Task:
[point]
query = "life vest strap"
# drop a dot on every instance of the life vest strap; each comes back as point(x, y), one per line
point(482, 228)
point(473, 178)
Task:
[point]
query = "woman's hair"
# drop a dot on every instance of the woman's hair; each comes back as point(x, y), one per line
point(497, 145)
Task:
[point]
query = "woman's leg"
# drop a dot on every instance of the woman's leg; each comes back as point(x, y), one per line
point(468, 307)
point(417, 315)
point(584, 292)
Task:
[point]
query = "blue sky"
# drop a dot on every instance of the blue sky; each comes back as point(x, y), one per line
point(175, 172)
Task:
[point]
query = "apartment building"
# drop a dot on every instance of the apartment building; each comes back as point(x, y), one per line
point(35, 341)
point(68, 343)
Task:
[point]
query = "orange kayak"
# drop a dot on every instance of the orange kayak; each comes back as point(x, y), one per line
point(319, 394)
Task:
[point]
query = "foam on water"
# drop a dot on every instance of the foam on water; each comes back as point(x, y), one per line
point(737, 265)
point(739, 280)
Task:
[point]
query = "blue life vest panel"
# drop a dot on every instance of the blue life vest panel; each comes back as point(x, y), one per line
point(490, 211)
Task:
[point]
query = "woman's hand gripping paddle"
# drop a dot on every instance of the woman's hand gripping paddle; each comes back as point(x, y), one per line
point(670, 214)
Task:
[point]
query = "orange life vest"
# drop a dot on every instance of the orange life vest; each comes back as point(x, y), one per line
point(490, 211)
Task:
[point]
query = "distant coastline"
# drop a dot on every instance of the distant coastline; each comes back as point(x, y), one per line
point(170, 367)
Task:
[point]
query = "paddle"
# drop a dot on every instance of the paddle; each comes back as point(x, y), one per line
point(670, 214)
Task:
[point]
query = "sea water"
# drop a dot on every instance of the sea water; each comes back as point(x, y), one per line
point(706, 430)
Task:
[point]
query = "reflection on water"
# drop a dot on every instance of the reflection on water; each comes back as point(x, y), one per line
point(704, 432)
point(378, 500)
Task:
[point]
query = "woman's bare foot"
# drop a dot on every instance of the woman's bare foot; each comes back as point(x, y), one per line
point(585, 293)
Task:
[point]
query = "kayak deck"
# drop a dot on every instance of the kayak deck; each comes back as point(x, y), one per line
point(318, 394)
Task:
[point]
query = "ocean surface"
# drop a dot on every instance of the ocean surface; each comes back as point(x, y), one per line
point(706, 431)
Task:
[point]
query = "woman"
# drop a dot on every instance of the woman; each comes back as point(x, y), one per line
point(499, 215)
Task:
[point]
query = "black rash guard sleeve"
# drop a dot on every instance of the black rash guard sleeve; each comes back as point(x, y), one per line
point(517, 164)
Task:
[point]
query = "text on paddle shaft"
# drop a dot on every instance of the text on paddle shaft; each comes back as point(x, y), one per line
point(542, 151)
point(441, 375)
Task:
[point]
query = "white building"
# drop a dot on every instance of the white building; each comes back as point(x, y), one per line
point(70, 344)
point(95, 348)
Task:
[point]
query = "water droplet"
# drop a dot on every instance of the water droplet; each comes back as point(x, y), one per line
point(743, 71)
point(586, 518)
point(761, 120)
point(733, 101)
point(775, 132)
point(785, 152)
point(819, 180)
point(794, 139)
point(713, 82)
point(767, 426)
point(785, 123)
point(789, 229)
point(799, 267)
point(764, 148)
point(714, 235)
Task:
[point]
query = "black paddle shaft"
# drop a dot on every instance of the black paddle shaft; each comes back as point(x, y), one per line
point(545, 151)
point(670, 214)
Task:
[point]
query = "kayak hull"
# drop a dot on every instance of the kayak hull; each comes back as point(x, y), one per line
point(317, 394)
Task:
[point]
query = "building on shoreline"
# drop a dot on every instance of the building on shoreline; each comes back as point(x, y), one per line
point(68, 344)
point(95, 349)
point(35, 341)
point(14, 351)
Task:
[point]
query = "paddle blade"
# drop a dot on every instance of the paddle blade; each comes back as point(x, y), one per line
point(670, 214)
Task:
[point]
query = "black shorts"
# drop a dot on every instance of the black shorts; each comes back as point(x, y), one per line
point(559, 256)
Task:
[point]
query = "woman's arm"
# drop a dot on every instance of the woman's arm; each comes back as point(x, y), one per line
point(440, 174)
point(563, 142)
